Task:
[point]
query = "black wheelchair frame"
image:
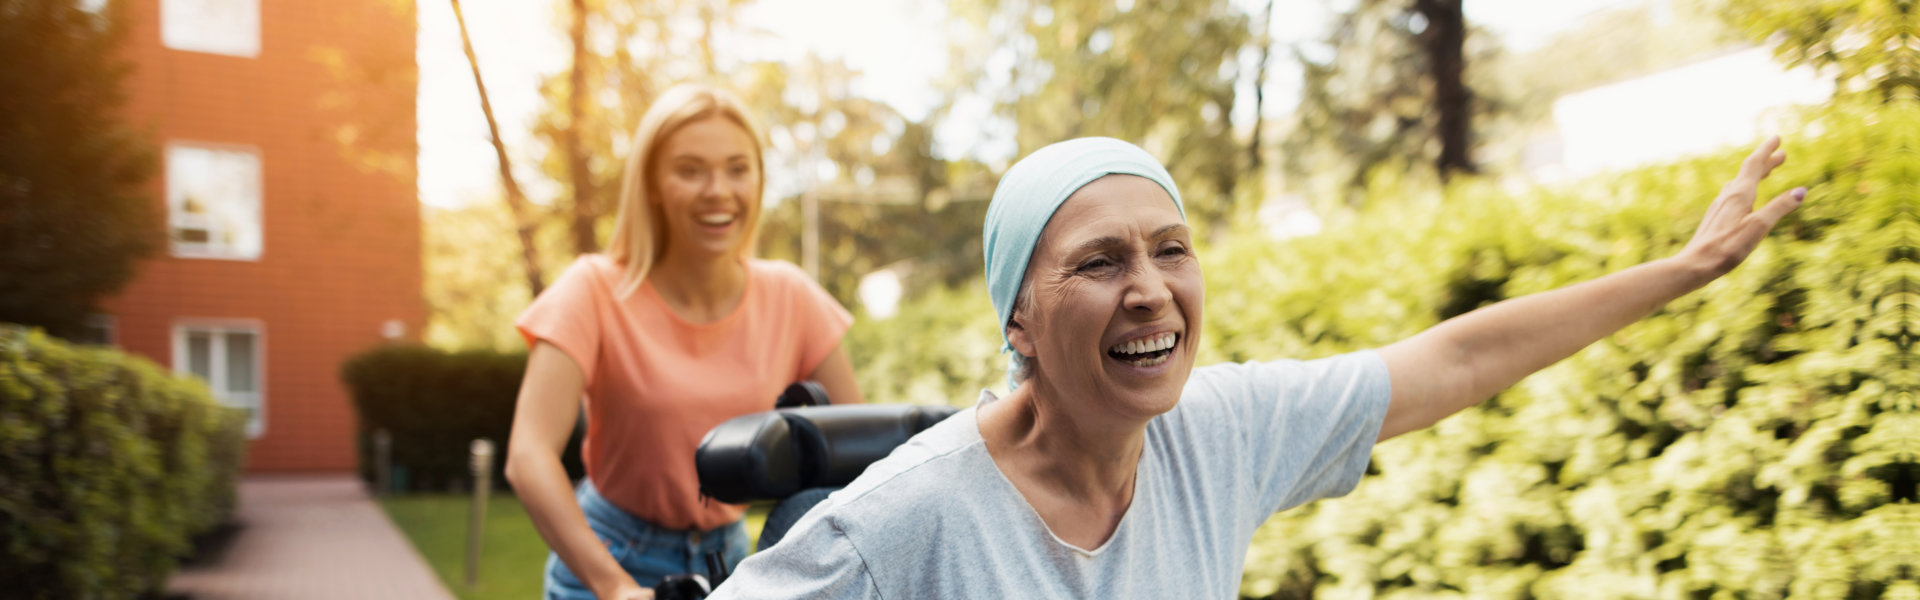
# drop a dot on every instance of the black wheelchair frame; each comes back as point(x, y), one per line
point(795, 455)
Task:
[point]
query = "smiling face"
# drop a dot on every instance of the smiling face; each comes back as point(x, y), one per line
point(1114, 315)
point(708, 186)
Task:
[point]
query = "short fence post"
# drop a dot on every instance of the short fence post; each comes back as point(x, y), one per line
point(382, 462)
point(482, 461)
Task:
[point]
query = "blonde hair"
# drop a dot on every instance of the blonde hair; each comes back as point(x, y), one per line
point(638, 235)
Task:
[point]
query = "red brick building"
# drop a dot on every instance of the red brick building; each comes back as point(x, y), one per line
point(287, 146)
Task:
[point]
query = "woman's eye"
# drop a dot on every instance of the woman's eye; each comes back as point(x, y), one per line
point(687, 172)
point(1094, 265)
point(1175, 250)
point(740, 171)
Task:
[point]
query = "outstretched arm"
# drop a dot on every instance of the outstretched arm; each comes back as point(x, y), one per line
point(1468, 358)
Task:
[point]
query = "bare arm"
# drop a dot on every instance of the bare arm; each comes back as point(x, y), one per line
point(543, 418)
point(835, 373)
point(1471, 357)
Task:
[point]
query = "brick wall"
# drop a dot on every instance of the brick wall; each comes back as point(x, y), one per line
point(328, 104)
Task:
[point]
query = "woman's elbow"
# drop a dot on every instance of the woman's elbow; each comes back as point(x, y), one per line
point(523, 464)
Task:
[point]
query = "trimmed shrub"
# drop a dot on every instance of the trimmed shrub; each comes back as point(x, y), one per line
point(434, 403)
point(108, 466)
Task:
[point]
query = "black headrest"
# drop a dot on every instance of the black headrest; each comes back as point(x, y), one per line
point(772, 455)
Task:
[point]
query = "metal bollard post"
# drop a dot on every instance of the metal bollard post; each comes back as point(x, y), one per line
point(382, 463)
point(482, 462)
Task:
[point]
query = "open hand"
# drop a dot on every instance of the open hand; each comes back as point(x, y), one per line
point(1732, 228)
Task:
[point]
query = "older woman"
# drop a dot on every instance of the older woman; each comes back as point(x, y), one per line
point(1114, 469)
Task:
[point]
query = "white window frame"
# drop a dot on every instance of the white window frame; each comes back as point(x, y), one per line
point(177, 219)
point(217, 364)
point(184, 26)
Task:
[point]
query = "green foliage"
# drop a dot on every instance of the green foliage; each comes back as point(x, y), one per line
point(1753, 439)
point(1740, 443)
point(473, 284)
point(108, 466)
point(1868, 46)
point(940, 348)
point(434, 403)
point(75, 218)
point(1160, 74)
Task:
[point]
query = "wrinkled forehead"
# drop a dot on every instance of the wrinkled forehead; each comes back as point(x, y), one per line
point(1108, 203)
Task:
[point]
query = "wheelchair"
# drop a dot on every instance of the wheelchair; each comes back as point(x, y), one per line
point(794, 455)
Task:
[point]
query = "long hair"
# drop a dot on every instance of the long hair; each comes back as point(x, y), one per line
point(638, 234)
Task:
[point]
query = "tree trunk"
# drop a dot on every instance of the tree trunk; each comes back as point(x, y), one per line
point(1444, 43)
point(1259, 84)
point(585, 211)
point(516, 201)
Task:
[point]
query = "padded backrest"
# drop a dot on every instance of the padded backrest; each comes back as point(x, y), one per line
point(773, 455)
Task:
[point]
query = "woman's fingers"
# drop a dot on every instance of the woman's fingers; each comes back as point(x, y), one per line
point(1778, 208)
point(1763, 160)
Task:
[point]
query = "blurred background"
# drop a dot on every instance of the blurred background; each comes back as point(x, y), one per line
point(293, 218)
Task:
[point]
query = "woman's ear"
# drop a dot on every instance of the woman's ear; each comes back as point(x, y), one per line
point(1018, 337)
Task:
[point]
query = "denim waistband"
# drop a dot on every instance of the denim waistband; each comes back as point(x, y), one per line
point(638, 531)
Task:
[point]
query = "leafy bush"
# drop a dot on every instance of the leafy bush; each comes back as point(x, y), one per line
point(434, 403)
point(108, 467)
point(1753, 439)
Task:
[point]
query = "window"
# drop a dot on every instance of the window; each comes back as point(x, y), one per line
point(213, 202)
point(97, 330)
point(228, 356)
point(230, 27)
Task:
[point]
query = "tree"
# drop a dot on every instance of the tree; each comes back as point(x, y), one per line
point(75, 218)
point(1391, 87)
point(516, 200)
point(1160, 74)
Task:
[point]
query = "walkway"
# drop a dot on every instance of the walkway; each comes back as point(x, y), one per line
point(315, 537)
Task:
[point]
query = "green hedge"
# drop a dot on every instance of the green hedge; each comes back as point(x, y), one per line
point(1755, 439)
point(108, 466)
point(434, 403)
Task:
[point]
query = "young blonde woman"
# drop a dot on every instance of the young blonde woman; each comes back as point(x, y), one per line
point(674, 329)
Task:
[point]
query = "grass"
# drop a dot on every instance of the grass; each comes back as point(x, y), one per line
point(512, 554)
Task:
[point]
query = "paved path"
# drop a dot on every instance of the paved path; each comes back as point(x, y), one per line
point(312, 537)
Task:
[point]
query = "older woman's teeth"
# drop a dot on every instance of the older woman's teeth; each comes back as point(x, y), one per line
point(1154, 350)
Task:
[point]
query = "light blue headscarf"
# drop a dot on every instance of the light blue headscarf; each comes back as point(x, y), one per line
point(1028, 196)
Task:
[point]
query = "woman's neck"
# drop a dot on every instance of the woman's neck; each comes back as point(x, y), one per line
point(701, 289)
point(1072, 456)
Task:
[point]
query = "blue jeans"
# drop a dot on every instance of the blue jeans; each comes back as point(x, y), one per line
point(648, 552)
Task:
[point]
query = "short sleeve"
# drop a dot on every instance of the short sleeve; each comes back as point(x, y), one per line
point(567, 315)
point(814, 560)
point(1306, 428)
point(824, 321)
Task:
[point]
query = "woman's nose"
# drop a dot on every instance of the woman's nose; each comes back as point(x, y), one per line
point(1148, 291)
point(713, 185)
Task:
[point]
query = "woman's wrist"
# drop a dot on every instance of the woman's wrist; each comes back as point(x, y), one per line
point(621, 587)
point(1694, 269)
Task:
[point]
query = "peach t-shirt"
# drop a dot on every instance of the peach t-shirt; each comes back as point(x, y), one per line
point(655, 384)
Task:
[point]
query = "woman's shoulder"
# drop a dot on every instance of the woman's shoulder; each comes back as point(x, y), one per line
point(596, 270)
point(783, 272)
point(935, 464)
point(786, 280)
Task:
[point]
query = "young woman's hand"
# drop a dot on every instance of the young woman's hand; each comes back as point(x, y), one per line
point(628, 591)
point(1732, 227)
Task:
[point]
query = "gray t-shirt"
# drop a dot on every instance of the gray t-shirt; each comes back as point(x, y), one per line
point(937, 519)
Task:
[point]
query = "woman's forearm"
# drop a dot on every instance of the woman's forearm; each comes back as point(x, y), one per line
point(1469, 358)
point(1507, 341)
point(541, 483)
